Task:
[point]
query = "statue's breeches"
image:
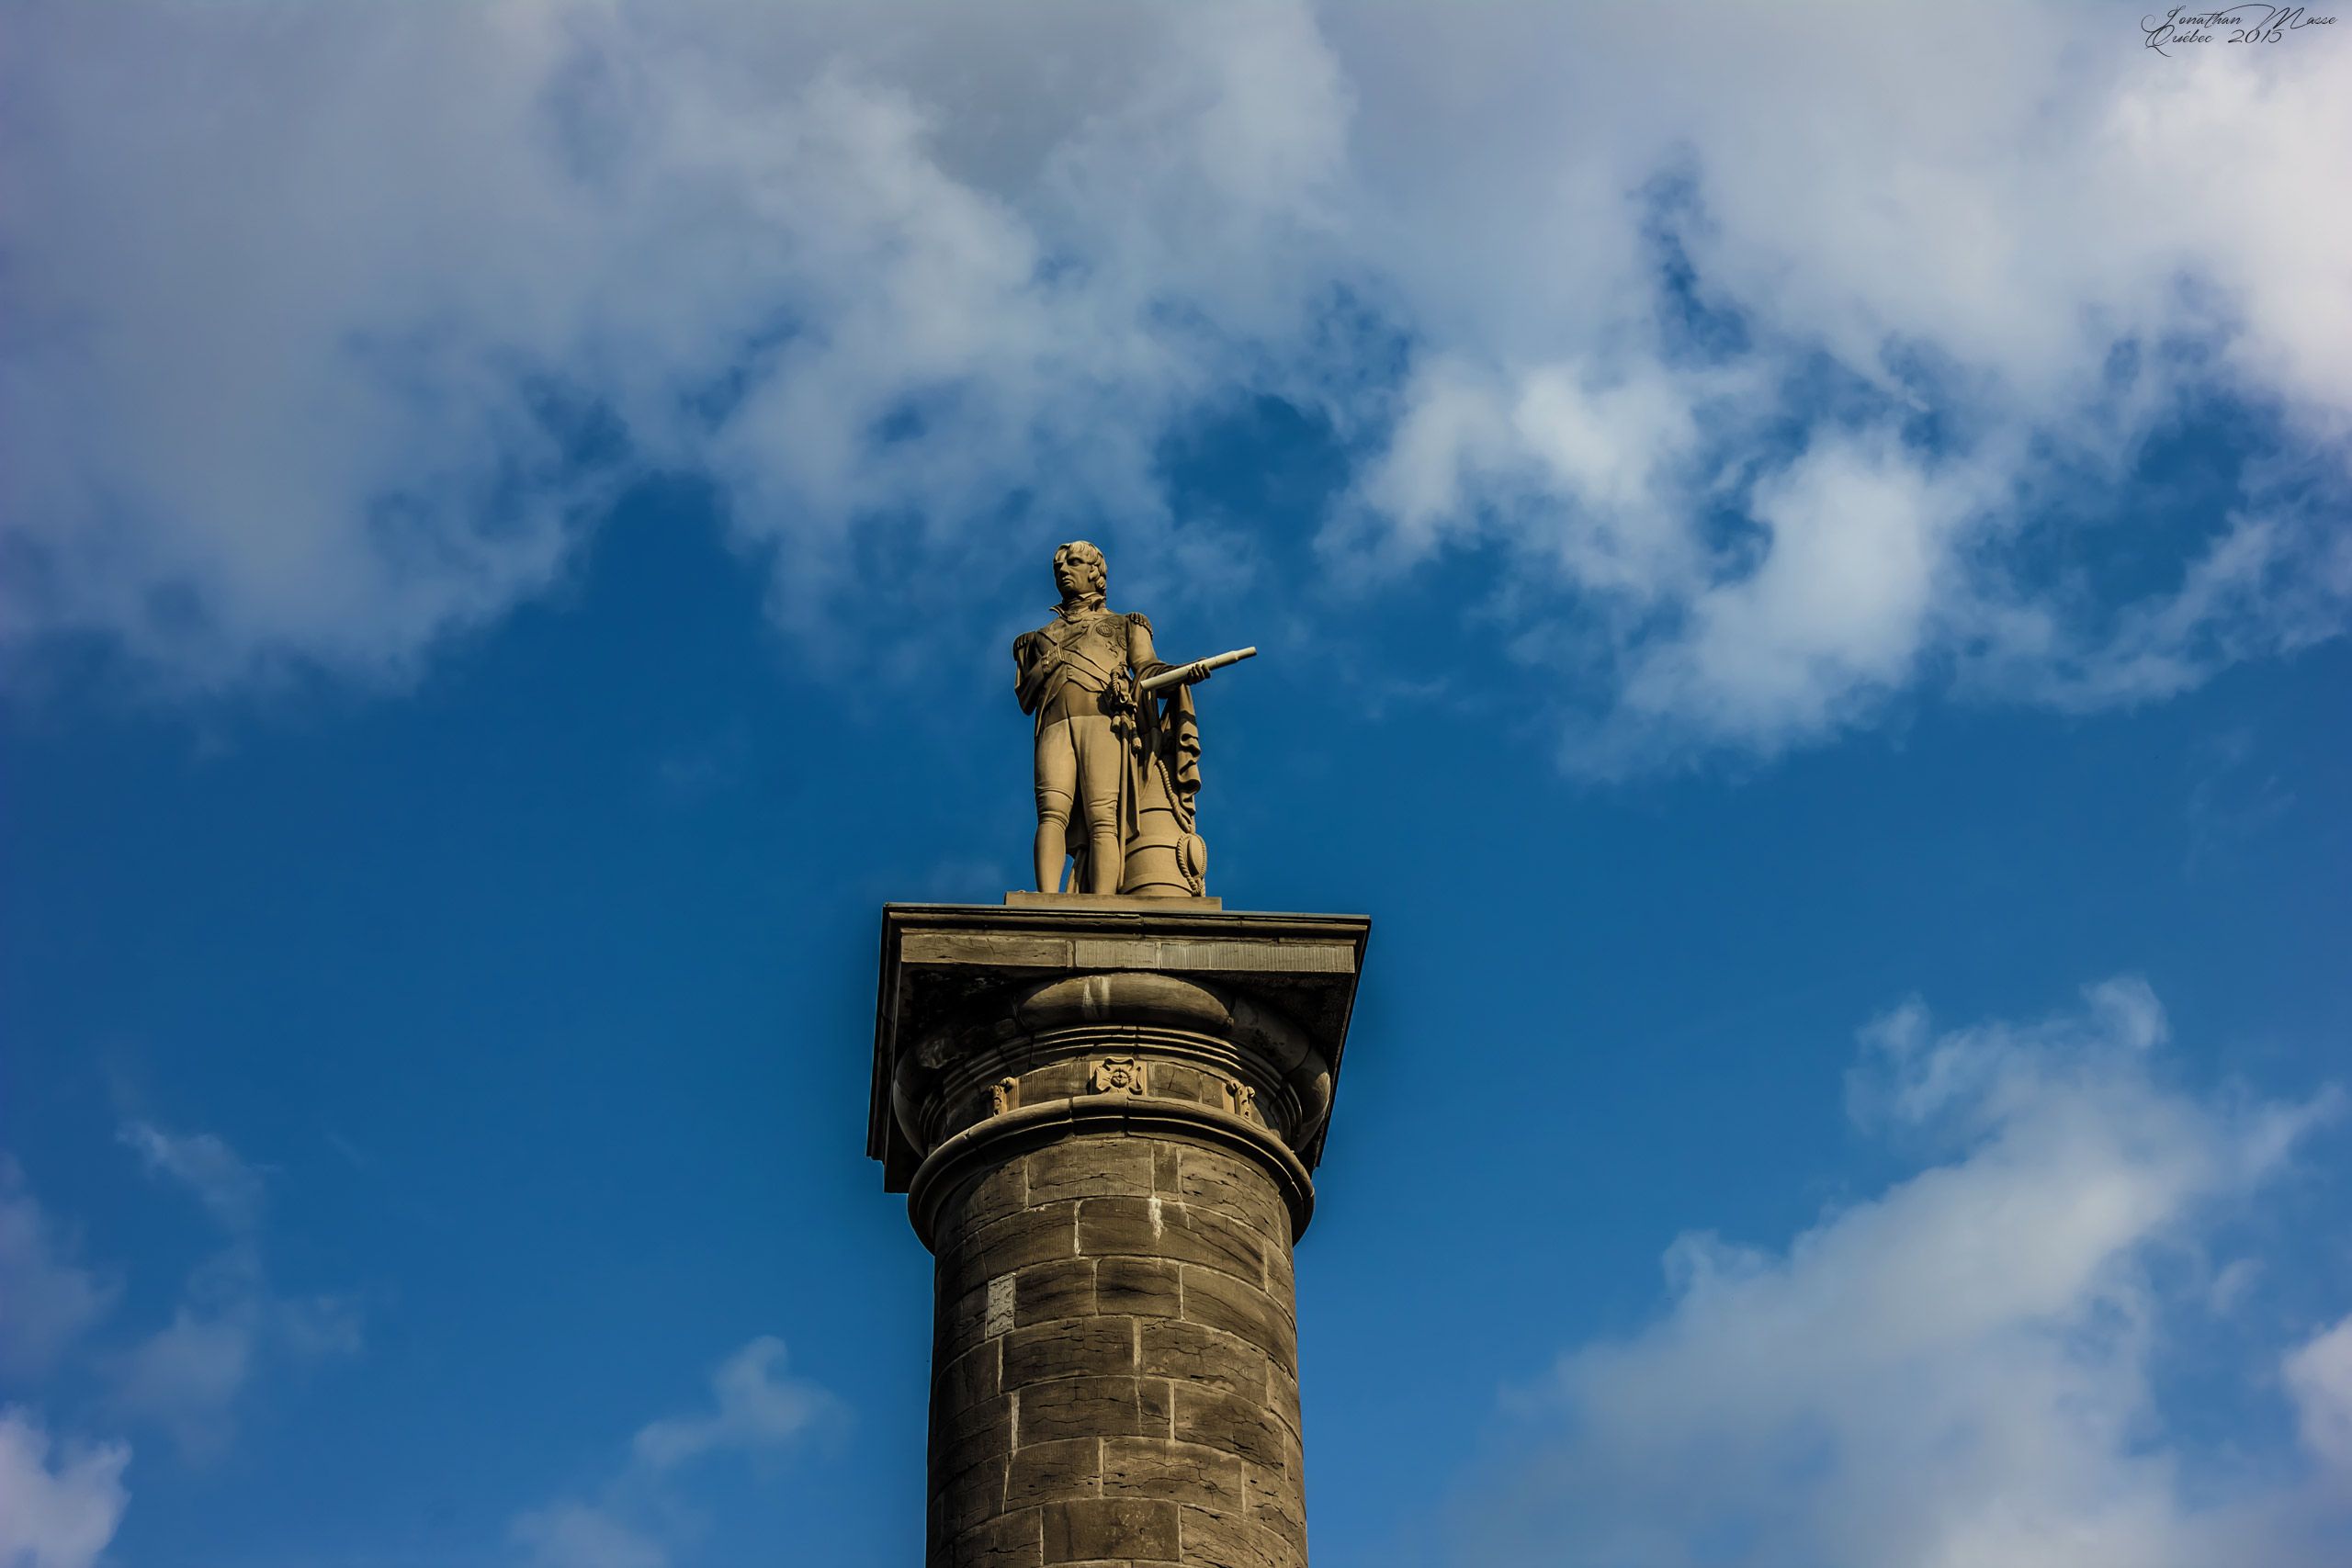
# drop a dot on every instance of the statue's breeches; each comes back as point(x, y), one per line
point(1079, 758)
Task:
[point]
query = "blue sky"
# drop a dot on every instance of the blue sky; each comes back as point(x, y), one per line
point(1801, 574)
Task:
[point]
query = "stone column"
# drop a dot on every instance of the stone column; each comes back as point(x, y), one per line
point(1105, 1112)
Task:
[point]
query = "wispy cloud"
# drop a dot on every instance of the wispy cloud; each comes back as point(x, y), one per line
point(230, 1190)
point(581, 1535)
point(1963, 1368)
point(636, 1520)
point(230, 1321)
point(59, 1505)
point(755, 1406)
point(46, 1300)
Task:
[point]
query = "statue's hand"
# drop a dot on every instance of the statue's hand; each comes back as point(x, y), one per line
point(1196, 673)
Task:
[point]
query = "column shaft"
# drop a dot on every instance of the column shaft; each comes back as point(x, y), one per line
point(1114, 1375)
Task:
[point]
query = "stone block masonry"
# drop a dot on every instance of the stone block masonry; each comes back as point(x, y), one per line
point(1115, 1362)
point(1106, 1163)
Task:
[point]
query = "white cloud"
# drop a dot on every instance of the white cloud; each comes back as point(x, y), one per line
point(2319, 1377)
point(1861, 545)
point(635, 1522)
point(757, 1406)
point(60, 1513)
point(2035, 247)
point(46, 1301)
point(298, 373)
point(293, 397)
point(1961, 1370)
point(1611, 446)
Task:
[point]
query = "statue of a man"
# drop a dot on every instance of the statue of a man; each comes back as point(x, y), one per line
point(1094, 736)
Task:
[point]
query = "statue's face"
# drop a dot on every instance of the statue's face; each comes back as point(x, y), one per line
point(1078, 569)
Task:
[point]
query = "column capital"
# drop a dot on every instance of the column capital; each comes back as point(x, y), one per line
point(1172, 1006)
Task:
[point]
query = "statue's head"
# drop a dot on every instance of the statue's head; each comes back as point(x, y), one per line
point(1079, 570)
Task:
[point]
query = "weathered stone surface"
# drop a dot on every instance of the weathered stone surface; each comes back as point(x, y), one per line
point(1071, 1347)
point(964, 1438)
point(1160, 1227)
point(1210, 1538)
point(1232, 1425)
point(1221, 1183)
point(1195, 1353)
point(1092, 1167)
point(1070, 1467)
point(973, 1494)
point(1138, 1287)
point(1048, 1290)
point(1274, 1505)
point(1110, 1528)
point(955, 1325)
point(998, 1193)
point(969, 1378)
point(1156, 1397)
point(1186, 1082)
point(1041, 1234)
point(1244, 1311)
point(1053, 1080)
point(1009, 1540)
point(1282, 1398)
point(1087, 1407)
point(1280, 1279)
point(1184, 1472)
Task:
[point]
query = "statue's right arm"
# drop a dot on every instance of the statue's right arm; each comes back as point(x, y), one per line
point(1028, 671)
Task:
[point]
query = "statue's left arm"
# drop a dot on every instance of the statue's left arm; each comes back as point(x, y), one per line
point(1141, 656)
point(1146, 659)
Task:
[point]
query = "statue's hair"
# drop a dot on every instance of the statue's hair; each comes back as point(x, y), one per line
point(1079, 549)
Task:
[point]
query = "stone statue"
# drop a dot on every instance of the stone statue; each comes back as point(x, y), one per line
point(1118, 744)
